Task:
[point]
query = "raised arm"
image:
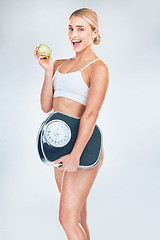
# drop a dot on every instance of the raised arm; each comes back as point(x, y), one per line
point(47, 89)
point(46, 97)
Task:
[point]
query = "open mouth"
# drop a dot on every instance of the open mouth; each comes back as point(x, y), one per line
point(76, 43)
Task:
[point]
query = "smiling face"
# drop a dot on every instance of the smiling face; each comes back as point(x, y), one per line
point(80, 33)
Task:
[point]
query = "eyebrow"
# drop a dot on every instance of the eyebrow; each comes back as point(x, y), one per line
point(76, 26)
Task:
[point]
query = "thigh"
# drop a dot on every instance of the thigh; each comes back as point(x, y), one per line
point(76, 187)
point(58, 177)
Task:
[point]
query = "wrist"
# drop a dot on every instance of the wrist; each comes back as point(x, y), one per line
point(75, 154)
point(49, 72)
point(48, 75)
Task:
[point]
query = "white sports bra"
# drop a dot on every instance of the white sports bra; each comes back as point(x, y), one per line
point(71, 85)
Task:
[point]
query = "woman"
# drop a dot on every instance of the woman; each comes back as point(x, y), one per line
point(75, 183)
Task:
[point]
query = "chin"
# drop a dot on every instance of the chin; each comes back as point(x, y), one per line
point(77, 50)
point(80, 49)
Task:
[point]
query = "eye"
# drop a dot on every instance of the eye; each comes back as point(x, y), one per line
point(80, 29)
point(70, 29)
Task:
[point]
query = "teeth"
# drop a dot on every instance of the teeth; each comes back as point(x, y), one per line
point(74, 41)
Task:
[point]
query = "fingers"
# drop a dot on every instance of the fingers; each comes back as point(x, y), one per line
point(50, 55)
point(41, 55)
point(67, 169)
point(35, 52)
point(56, 161)
point(65, 164)
point(59, 165)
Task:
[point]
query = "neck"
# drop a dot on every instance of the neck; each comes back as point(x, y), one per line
point(85, 55)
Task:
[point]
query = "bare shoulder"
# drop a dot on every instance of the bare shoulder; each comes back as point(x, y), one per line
point(99, 72)
point(100, 66)
point(58, 62)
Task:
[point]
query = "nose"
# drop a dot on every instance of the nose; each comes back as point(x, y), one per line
point(74, 34)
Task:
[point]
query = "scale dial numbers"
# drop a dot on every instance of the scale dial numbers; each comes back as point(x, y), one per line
point(57, 133)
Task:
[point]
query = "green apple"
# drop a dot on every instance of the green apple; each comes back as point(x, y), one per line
point(42, 48)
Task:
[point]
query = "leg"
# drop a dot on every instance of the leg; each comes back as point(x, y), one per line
point(58, 177)
point(83, 213)
point(83, 219)
point(74, 192)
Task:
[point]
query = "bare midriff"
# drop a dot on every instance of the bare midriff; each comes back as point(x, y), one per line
point(68, 106)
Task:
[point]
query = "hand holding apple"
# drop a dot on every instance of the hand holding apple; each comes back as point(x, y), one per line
point(42, 48)
point(44, 56)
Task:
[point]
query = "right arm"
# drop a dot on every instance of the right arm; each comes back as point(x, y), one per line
point(46, 97)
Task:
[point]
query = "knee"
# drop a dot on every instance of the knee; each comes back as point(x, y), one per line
point(83, 216)
point(66, 218)
point(63, 216)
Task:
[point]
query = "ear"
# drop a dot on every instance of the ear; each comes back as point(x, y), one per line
point(96, 31)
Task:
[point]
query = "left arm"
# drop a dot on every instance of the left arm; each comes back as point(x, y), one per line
point(96, 95)
point(99, 80)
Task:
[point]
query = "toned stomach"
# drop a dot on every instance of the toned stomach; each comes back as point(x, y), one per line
point(68, 106)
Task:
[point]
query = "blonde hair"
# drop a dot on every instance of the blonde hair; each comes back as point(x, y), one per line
point(91, 17)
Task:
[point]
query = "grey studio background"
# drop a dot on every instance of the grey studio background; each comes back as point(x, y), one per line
point(124, 201)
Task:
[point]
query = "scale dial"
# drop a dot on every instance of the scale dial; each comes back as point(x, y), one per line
point(57, 133)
